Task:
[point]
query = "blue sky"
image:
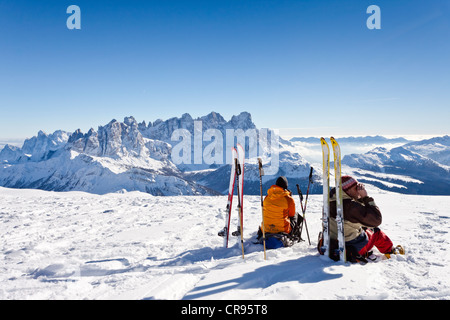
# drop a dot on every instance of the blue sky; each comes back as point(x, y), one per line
point(306, 67)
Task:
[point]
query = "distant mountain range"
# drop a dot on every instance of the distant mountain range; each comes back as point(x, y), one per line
point(358, 140)
point(128, 156)
point(420, 167)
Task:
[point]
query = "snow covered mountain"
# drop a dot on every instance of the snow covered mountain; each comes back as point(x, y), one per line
point(292, 166)
point(137, 156)
point(37, 148)
point(132, 156)
point(437, 149)
point(415, 168)
point(395, 164)
point(116, 157)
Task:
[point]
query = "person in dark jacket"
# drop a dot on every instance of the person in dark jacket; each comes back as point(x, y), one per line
point(362, 219)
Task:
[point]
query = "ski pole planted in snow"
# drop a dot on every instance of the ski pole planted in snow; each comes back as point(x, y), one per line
point(304, 207)
point(261, 173)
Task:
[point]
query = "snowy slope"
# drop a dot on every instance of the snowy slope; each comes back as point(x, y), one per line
point(76, 245)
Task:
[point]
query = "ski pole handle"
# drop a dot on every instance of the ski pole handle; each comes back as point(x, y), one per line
point(261, 170)
point(238, 167)
point(300, 195)
point(309, 184)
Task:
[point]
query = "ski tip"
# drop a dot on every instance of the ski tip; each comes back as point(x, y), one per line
point(323, 142)
point(334, 142)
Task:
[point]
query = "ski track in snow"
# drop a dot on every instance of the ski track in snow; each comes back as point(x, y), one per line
point(75, 245)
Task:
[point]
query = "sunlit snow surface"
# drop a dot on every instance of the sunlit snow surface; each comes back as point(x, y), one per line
point(76, 245)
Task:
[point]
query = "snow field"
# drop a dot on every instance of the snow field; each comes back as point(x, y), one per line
point(76, 245)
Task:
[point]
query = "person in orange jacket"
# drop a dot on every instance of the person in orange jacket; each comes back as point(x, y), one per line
point(279, 211)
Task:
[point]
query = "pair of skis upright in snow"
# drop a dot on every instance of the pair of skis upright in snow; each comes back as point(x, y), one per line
point(237, 174)
point(326, 199)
